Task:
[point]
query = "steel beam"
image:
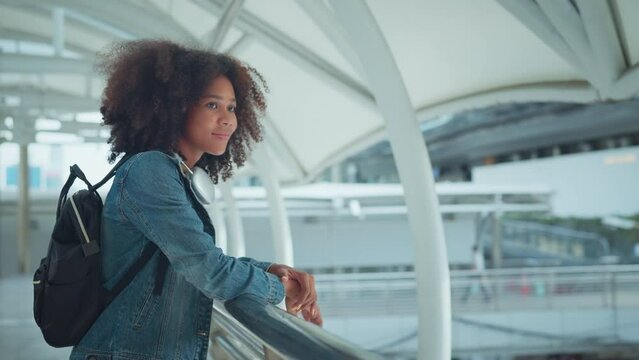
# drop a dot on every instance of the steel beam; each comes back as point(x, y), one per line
point(39, 99)
point(18, 35)
point(627, 86)
point(274, 139)
point(600, 26)
point(324, 18)
point(122, 19)
point(531, 15)
point(34, 64)
point(284, 45)
point(215, 38)
point(566, 20)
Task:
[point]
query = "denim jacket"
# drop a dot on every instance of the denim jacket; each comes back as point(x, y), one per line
point(150, 200)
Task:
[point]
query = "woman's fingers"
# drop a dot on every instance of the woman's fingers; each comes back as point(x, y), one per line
point(279, 270)
point(290, 309)
point(300, 289)
point(311, 294)
point(307, 294)
point(300, 286)
point(313, 314)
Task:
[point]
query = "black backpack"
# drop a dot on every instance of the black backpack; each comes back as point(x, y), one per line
point(68, 293)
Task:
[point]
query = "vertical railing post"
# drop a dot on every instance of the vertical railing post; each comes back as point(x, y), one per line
point(615, 307)
point(549, 289)
point(496, 245)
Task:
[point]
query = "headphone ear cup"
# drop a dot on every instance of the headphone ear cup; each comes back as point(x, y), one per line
point(203, 186)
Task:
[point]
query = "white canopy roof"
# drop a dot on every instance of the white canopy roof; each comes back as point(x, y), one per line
point(453, 55)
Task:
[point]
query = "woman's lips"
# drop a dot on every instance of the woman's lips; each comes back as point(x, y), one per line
point(221, 136)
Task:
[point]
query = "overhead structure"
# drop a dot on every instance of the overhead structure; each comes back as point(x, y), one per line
point(452, 56)
point(323, 107)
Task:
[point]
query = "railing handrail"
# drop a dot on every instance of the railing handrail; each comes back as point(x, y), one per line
point(592, 269)
point(262, 330)
point(286, 335)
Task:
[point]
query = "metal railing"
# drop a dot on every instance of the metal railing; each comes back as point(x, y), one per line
point(490, 290)
point(248, 328)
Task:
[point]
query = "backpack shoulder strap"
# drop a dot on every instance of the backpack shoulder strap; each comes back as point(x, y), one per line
point(111, 173)
point(147, 253)
point(76, 173)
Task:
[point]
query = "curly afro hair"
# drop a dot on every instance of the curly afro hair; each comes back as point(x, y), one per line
point(153, 83)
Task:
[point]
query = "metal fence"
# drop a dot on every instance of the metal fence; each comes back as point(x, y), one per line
point(248, 329)
point(490, 290)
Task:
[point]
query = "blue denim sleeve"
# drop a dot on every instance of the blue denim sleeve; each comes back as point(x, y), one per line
point(154, 201)
point(264, 265)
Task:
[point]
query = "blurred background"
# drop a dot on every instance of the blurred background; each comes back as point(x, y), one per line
point(528, 111)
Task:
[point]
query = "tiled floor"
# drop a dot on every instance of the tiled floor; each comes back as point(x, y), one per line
point(20, 338)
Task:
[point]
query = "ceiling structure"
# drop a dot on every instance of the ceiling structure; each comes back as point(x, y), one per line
point(508, 131)
point(453, 55)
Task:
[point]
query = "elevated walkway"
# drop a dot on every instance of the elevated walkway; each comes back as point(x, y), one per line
point(527, 311)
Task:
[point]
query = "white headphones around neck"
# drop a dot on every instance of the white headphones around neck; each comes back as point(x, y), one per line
point(201, 183)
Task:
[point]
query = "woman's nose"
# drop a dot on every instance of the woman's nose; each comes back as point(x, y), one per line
point(226, 120)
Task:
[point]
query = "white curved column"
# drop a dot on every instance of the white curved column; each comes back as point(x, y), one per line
point(282, 239)
point(235, 244)
point(413, 164)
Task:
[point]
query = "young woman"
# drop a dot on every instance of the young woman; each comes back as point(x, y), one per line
point(176, 108)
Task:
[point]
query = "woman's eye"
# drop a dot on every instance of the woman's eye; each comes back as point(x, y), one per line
point(232, 108)
point(211, 105)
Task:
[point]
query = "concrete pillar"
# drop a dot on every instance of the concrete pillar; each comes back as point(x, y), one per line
point(415, 172)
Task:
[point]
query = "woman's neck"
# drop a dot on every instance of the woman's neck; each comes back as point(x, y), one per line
point(191, 156)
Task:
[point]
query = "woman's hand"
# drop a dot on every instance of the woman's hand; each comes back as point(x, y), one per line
point(312, 314)
point(300, 292)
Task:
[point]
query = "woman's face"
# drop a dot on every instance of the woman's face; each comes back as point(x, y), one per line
point(210, 122)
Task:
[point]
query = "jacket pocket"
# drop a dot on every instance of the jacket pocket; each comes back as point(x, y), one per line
point(146, 307)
